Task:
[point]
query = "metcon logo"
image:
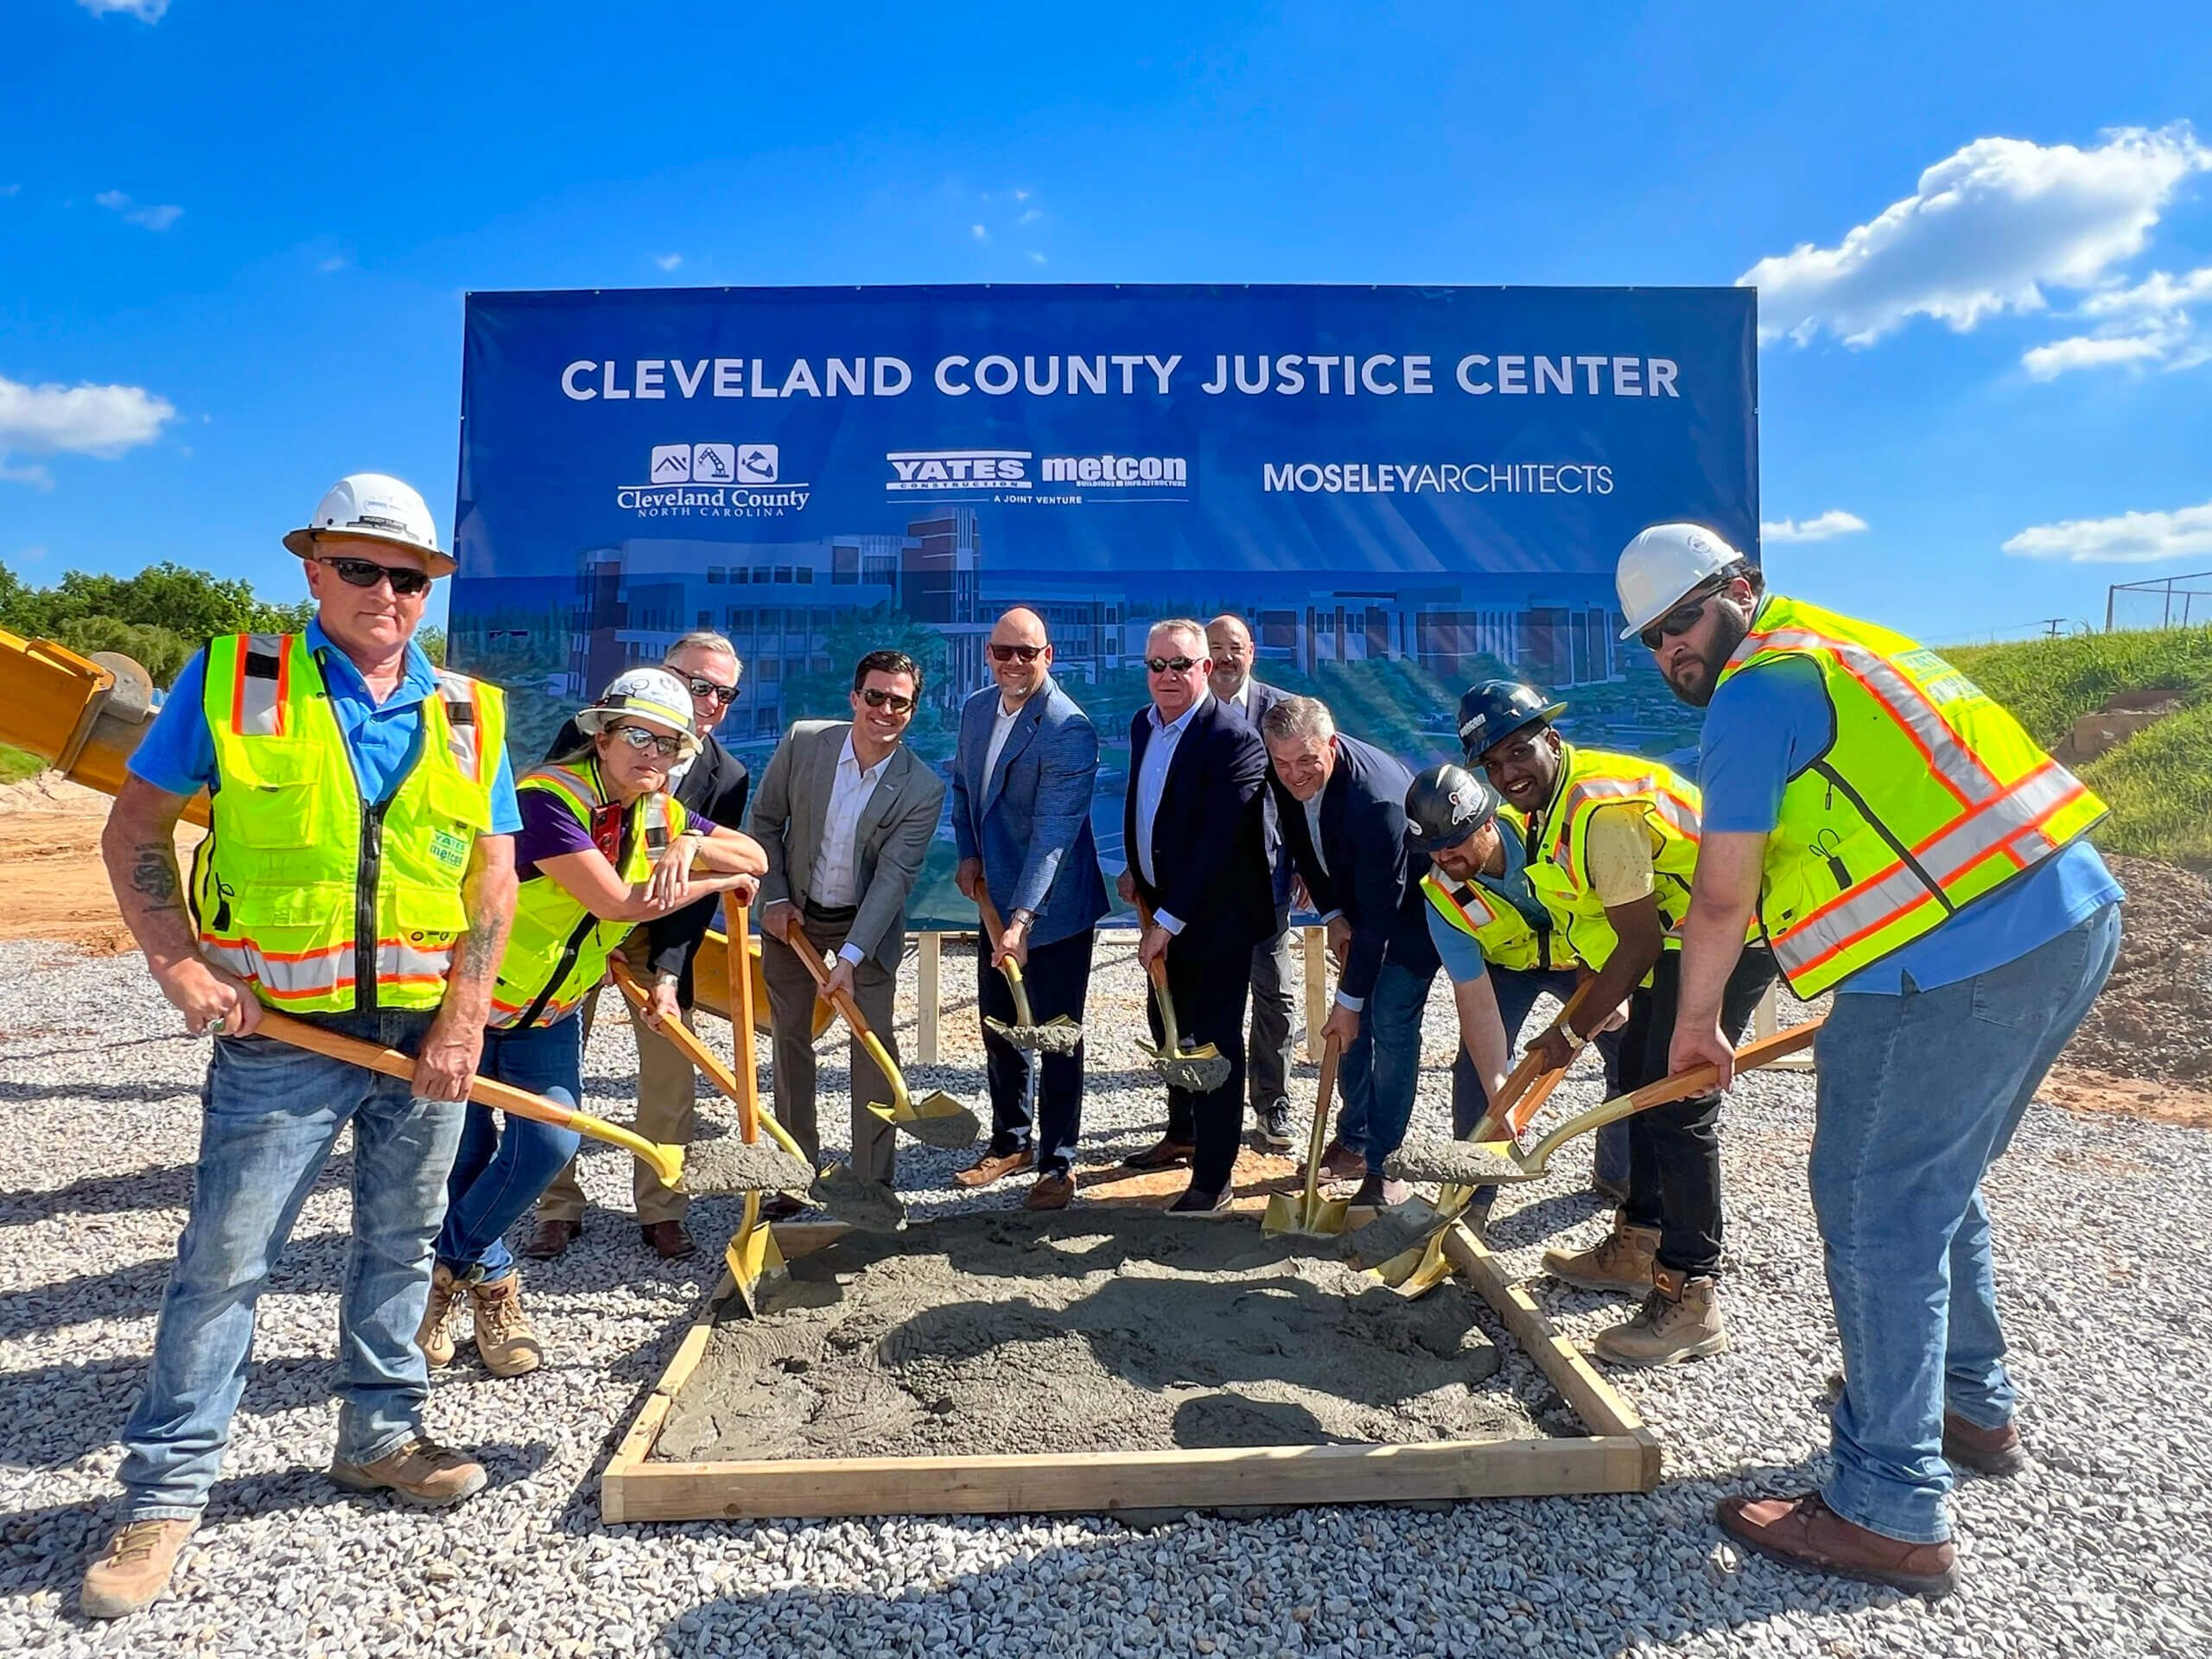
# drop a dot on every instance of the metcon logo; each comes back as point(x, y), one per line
point(940, 472)
point(1111, 471)
point(713, 480)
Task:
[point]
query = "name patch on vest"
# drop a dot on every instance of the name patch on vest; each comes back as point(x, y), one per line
point(449, 849)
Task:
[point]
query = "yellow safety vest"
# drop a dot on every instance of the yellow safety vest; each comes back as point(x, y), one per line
point(558, 950)
point(326, 903)
point(1507, 940)
point(1929, 798)
point(1559, 868)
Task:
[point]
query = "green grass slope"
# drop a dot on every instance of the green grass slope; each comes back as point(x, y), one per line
point(2159, 783)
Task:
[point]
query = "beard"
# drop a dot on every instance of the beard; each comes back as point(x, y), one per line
point(1701, 676)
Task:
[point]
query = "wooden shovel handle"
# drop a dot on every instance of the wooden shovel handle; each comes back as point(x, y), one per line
point(1331, 1053)
point(741, 965)
point(1681, 1086)
point(486, 1091)
point(1501, 1110)
point(680, 1038)
point(802, 948)
point(1158, 967)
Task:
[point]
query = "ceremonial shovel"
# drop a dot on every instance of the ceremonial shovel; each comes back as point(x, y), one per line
point(1310, 1213)
point(1201, 1069)
point(1057, 1035)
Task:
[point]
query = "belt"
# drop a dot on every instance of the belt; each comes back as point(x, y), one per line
point(831, 912)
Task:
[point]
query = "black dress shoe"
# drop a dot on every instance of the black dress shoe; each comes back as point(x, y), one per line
point(670, 1240)
point(1162, 1154)
point(1195, 1202)
point(779, 1206)
point(551, 1238)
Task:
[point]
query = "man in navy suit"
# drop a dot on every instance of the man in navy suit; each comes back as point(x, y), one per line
point(1021, 783)
point(1342, 803)
point(1195, 827)
point(1275, 969)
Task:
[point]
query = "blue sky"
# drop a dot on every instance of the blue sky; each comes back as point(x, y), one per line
point(234, 236)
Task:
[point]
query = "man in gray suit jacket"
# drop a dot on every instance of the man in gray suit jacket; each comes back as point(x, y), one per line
point(845, 814)
point(1277, 975)
point(1021, 784)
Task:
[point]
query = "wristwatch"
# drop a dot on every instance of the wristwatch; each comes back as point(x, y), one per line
point(1575, 1041)
point(1024, 920)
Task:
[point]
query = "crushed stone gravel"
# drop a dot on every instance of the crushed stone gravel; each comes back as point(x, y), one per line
point(2104, 1546)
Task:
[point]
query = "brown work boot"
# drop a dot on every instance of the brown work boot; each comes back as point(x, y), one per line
point(551, 1237)
point(1804, 1533)
point(1621, 1261)
point(421, 1472)
point(504, 1341)
point(441, 1326)
point(1679, 1320)
point(995, 1167)
point(1996, 1453)
point(133, 1569)
point(1052, 1192)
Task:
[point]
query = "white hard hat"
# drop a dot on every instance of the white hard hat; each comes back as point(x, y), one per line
point(1662, 565)
point(651, 695)
point(379, 507)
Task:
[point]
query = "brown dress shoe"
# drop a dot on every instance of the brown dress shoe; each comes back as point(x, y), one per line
point(671, 1240)
point(996, 1167)
point(1804, 1533)
point(1162, 1154)
point(1052, 1192)
point(1340, 1163)
point(552, 1237)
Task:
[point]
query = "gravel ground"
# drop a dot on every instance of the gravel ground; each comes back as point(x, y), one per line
point(2100, 1549)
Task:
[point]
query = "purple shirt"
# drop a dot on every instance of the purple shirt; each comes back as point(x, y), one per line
point(550, 830)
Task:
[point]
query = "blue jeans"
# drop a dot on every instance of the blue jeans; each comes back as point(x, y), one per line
point(1517, 990)
point(270, 1115)
point(505, 1163)
point(1919, 1093)
point(1378, 1073)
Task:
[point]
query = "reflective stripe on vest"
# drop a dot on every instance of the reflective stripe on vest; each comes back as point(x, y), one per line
point(1508, 941)
point(302, 889)
point(1590, 780)
point(1865, 857)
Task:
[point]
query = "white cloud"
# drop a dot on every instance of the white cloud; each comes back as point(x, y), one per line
point(1830, 524)
point(2130, 538)
point(2146, 323)
point(153, 219)
point(330, 266)
point(146, 11)
point(1030, 216)
point(979, 233)
point(668, 261)
point(9, 189)
point(2092, 352)
point(1988, 229)
point(1022, 196)
point(1035, 257)
point(81, 420)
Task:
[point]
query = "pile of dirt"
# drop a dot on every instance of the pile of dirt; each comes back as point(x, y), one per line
point(2154, 1021)
point(1000, 1333)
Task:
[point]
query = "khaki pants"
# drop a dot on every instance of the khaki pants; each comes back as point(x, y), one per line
point(667, 1112)
point(791, 998)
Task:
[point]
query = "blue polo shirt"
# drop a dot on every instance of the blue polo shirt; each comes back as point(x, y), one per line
point(178, 752)
point(1462, 955)
point(1768, 723)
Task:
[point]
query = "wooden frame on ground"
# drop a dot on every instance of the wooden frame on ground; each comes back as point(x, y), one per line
point(1619, 1455)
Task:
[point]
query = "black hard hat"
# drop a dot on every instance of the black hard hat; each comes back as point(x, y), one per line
point(1445, 805)
point(1496, 710)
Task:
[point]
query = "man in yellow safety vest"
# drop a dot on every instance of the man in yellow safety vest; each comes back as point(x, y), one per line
point(359, 874)
point(1902, 842)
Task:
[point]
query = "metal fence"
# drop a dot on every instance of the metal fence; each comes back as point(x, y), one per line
point(2164, 602)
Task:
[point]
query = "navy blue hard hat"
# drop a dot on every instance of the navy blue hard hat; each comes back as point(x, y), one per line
point(1445, 805)
point(1494, 710)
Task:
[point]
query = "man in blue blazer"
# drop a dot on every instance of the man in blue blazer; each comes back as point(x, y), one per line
point(1021, 783)
point(1276, 978)
point(1194, 825)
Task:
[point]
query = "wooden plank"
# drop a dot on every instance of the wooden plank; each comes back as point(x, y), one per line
point(1105, 1482)
point(929, 962)
point(1316, 942)
point(1604, 1410)
point(615, 1481)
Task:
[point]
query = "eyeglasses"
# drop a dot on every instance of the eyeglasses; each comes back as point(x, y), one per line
point(876, 697)
point(1008, 653)
point(1172, 664)
point(366, 573)
point(700, 686)
point(641, 740)
point(1681, 620)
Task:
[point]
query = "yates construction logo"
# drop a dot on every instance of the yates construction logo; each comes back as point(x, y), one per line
point(714, 480)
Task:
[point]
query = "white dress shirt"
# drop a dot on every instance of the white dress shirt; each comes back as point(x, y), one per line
point(836, 863)
point(1002, 723)
point(1152, 783)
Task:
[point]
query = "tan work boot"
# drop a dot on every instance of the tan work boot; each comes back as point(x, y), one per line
point(441, 1326)
point(421, 1472)
point(1679, 1320)
point(503, 1339)
point(133, 1569)
point(1622, 1259)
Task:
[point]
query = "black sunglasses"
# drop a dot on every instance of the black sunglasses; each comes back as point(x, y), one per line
point(701, 686)
point(1008, 653)
point(1172, 664)
point(1681, 618)
point(366, 573)
point(876, 697)
point(641, 740)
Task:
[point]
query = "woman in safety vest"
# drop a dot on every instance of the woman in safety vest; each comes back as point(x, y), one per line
point(603, 847)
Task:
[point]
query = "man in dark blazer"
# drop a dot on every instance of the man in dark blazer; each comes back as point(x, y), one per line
point(712, 784)
point(845, 814)
point(1341, 805)
point(1276, 969)
point(1021, 783)
point(1194, 824)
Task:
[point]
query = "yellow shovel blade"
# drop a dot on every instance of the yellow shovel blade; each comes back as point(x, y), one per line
point(1416, 1271)
point(756, 1263)
point(1287, 1213)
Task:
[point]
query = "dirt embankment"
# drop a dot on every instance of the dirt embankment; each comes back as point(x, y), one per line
point(52, 883)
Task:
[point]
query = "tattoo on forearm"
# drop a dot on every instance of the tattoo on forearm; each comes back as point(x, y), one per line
point(154, 876)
